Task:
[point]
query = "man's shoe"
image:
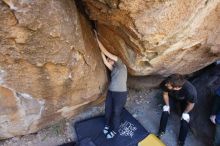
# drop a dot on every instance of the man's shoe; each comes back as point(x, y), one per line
point(106, 129)
point(160, 134)
point(111, 135)
point(180, 143)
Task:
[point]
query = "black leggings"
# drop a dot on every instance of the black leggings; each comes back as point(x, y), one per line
point(184, 125)
point(114, 104)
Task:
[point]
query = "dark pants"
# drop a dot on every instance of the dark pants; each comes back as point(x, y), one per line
point(114, 104)
point(217, 135)
point(180, 106)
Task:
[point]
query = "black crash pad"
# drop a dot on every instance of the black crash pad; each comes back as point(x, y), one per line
point(129, 134)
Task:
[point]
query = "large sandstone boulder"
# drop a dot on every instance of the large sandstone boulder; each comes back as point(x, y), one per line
point(159, 36)
point(50, 65)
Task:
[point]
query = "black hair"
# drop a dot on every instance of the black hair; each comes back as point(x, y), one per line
point(176, 80)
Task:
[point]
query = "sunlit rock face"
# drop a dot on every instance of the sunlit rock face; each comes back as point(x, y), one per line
point(50, 64)
point(159, 37)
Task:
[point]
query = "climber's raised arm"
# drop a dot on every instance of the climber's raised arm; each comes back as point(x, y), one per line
point(109, 66)
point(103, 49)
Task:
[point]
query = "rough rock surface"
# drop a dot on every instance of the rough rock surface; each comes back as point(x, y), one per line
point(50, 65)
point(159, 36)
point(144, 82)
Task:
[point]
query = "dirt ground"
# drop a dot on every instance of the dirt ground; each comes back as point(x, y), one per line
point(144, 105)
